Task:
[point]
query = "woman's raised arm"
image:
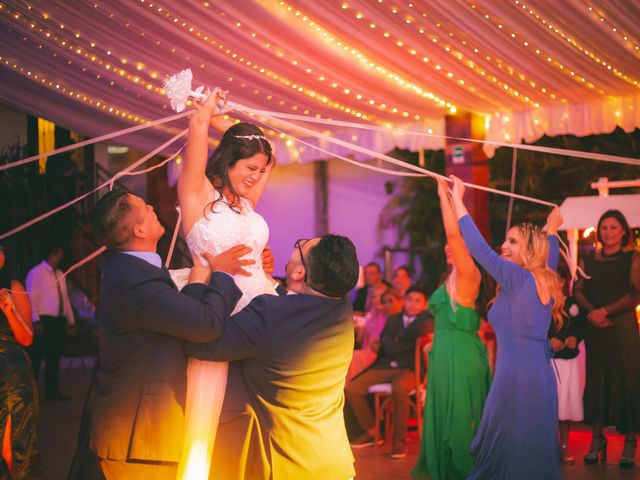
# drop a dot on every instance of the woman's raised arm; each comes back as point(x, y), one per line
point(467, 274)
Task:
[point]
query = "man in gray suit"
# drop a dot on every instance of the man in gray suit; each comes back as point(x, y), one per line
point(137, 417)
point(282, 415)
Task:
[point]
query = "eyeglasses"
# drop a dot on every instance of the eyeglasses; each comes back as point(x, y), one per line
point(298, 244)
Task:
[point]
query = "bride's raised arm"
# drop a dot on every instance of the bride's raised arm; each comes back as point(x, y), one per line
point(194, 188)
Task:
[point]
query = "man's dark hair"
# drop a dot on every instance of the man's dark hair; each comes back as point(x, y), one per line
point(333, 266)
point(108, 219)
point(52, 249)
point(417, 289)
point(374, 264)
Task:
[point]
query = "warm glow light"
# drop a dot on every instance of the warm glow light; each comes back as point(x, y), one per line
point(197, 466)
point(588, 231)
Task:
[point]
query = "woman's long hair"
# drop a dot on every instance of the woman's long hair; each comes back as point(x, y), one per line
point(6, 272)
point(486, 289)
point(534, 252)
point(242, 140)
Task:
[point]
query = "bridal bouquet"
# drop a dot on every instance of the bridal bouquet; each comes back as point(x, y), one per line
point(178, 88)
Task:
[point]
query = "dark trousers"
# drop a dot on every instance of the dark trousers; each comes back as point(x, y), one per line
point(402, 381)
point(48, 346)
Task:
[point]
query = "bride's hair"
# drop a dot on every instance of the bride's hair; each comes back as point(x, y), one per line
point(242, 140)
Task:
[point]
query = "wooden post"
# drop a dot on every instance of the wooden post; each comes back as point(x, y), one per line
point(321, 188)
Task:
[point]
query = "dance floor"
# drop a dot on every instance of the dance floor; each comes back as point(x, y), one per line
point(60, 420)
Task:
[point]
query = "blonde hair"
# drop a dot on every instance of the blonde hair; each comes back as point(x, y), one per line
point(534, 252)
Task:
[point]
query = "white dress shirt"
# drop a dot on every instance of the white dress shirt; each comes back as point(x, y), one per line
point(406, 321)
point(150, 257)
point(43, 293)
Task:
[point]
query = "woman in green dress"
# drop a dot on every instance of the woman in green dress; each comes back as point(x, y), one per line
point(458, 377)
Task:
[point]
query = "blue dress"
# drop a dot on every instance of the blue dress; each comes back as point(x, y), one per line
point(518, 434)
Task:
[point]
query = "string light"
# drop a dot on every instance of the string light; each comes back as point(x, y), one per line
point(375, 68)
point(540, 53)
point(624, 35)
point(574, 43)
point(248, 62)
point(457, 55)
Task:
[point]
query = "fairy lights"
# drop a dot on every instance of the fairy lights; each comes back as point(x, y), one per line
point(574, 43)
point(373, 67)
point(280, 52)
point(580, 79)
point(457, 55)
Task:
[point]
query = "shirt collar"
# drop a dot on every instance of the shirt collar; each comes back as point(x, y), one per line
point(150, 257)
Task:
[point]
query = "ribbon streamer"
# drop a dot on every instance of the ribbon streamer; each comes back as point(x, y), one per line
point(402, 164)
point(339, 123)
point(101, 138)
point(104, 184)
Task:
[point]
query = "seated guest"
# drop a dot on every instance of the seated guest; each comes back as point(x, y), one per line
point(370, 334)
point(395, 365)
point(372, 277)
point(401, 279)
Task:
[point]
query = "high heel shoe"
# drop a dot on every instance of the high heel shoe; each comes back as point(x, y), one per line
point(597, 452)
point(628, 461)
point(565, 455)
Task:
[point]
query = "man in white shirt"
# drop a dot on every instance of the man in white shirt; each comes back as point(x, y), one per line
point(52, 312)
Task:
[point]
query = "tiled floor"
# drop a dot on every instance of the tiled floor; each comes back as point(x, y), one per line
point(60, 422)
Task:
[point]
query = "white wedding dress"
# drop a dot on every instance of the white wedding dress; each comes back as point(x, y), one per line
point(206, 381)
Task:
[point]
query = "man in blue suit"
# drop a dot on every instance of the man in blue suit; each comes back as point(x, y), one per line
point(282, 416)
point(137, 415)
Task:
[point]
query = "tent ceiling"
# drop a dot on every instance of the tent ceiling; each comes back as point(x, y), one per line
point(530, 66)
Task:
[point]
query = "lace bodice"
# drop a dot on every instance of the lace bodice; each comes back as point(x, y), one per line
point(225, 228)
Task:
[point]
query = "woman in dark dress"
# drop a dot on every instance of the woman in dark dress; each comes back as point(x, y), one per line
point(612, 391)
point(18, 399)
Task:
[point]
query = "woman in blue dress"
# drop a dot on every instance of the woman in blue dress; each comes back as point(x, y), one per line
point(518, 434)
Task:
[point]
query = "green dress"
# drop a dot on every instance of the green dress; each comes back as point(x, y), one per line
point(457, 387)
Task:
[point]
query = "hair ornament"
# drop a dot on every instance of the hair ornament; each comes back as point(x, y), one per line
point(252, 137)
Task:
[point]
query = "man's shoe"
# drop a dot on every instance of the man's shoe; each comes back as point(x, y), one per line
point(399, 451)
point(58, 397)
point(363, 441)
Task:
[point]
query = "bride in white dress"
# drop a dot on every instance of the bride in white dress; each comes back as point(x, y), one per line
point(217, 200)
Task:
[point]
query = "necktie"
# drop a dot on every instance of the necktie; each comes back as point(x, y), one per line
point(60, 303)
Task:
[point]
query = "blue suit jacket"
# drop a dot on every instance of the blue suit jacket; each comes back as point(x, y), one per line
point(282, 415)
point(144, 325)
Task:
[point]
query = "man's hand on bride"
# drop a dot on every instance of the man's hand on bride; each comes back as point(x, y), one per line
point(268, 260)
point(231, 261)
point(199, 273)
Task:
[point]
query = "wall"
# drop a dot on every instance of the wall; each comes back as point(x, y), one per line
point(356, 198)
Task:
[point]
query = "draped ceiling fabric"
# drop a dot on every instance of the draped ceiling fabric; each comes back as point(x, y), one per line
point(530, 67)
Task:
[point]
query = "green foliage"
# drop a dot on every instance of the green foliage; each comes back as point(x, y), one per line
point(414, 210)
point(414, 206)
point(25, 194)
point(554, 178)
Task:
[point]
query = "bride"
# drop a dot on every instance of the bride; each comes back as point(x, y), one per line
point(217, 200)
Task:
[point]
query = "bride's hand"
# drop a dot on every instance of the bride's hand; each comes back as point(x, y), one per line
point(230, 261)
point(215, 104)
point(268, 260)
